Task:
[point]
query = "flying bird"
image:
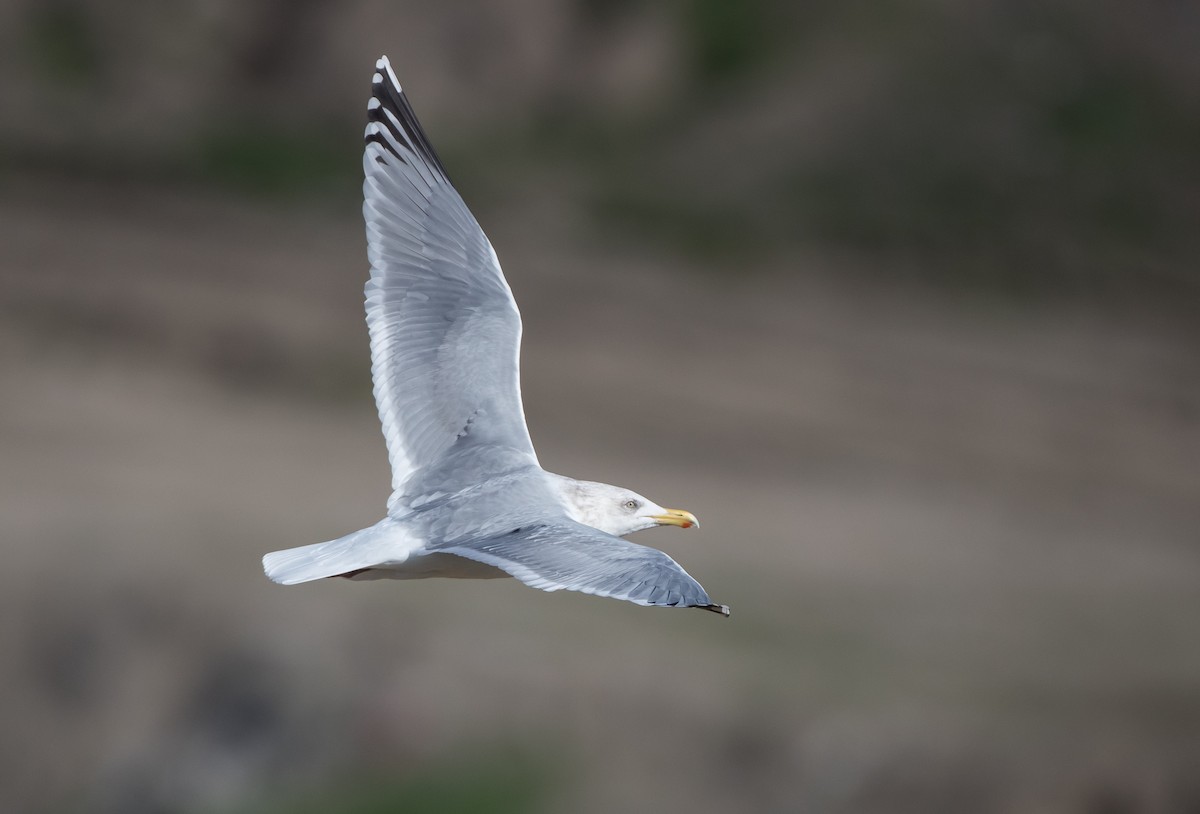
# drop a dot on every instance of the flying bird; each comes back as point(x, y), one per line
point(469, 499)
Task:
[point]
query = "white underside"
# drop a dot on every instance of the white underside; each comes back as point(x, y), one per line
point(386, 550)
point(427, 566)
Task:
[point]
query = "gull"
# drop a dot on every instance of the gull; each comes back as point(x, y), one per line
point(469, 499)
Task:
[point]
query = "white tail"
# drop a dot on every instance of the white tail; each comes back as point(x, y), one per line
point(384, 542)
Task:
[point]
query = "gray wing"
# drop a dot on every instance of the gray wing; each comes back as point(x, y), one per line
point(445, 331)
point(573, 557)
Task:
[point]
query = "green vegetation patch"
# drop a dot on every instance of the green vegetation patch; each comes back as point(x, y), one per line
point(498, 781)
point(256, 159)
point(61, 41)
point(1029, 159)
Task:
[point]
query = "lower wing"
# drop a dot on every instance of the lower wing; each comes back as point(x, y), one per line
point(570, 556)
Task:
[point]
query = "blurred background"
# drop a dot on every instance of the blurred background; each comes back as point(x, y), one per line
point(902, 299)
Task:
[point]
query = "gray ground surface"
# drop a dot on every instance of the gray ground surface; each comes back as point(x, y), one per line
point(960, 542)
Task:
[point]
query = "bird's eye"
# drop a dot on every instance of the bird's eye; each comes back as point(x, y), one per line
point(631, 504)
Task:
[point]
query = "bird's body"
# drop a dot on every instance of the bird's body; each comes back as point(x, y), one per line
point(469, 497)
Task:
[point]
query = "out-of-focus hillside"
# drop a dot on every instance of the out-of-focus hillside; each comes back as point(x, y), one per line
point(900, 299)
point(1028, 149)
point(960, 546)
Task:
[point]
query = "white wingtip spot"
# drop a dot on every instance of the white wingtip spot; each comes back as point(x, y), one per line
point(382, 63)
point(376, 77)
point(372, 103)
point(387, 66)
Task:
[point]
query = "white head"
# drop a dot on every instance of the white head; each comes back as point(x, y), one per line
point(615, 510)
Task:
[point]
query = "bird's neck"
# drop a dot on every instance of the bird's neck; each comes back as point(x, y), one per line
point(573, 494)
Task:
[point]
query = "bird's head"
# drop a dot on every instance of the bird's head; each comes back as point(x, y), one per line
point(617, 511)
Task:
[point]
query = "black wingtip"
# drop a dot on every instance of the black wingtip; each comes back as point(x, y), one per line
point(387, 94)
point(721, 609)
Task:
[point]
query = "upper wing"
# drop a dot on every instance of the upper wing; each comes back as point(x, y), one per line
point(445, 331)
point(571, 556)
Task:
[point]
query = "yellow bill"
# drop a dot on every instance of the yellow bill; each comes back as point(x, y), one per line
point(676, 517)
